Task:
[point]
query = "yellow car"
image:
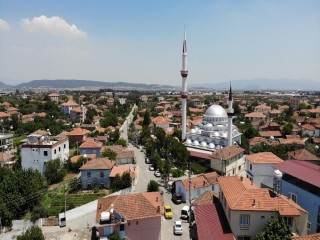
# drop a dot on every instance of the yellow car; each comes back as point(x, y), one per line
point(168, 212)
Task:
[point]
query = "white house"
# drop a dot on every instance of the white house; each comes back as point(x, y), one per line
point(199, 185)
point(229, 161)
point(68, 106)
point(40, 148)
point(259, 168)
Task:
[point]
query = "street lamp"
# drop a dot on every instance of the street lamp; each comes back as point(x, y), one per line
point(85, 157)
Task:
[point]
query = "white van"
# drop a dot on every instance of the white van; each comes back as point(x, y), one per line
point(185, 212)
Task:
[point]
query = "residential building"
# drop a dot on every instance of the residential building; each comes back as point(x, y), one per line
point(259, 168)
point(161, 122)
point(255, 116)
point(211, 222)
point(199, 185)
point(304, 155)
point(54, 97)
point(7, 160)
point(124, 155)
point(301, 183)
point(78, 135)
point(136, 216)
point(6, 142)
point(95, 173)
point(248, 208)
point(68, 106)
point(229, 161)
point(78, 114)
point(40, 148)
point(90, 146)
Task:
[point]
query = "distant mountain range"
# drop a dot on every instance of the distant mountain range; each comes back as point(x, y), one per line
point(263, 84)
point(255, 84)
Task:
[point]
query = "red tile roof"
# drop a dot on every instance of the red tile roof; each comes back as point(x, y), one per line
point(315, 236)
point(211, 222)
point(133, 206)
point(91, 143)
point(302, 154)
point(227, 153)
point(201, 181)
point(78, 132)
point(69, 103)
point(263, 158)
point(270, 133)
point(98, 164)
point(302, 170)
point(242, 195)
point(199, 154)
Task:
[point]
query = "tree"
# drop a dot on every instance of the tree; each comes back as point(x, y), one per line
point(121, 142)
point(122, 182)
point(274, 230)
point(109, 154)
point(38, 212)
point(54, 171)
point(114, 236)
point(153, 186)
point(287, 129)
point(146, 119)
point(33, 233)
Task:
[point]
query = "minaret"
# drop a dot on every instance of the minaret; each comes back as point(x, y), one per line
point(184, 92)
point(230, 113)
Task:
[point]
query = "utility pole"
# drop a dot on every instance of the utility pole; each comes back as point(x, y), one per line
point(190, 204)
point(65, 201)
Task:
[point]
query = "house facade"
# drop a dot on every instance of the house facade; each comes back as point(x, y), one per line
point(301, 183)
point(90, 146)
point(40, 148)
point(259, 168)
point(125, 215)
point(95, 173)
point(248, 208)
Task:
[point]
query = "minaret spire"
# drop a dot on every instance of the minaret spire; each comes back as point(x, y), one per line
point(184, 91)
point(230, 113)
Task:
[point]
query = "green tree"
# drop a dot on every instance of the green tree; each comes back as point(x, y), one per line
point(153, 186)
point(109, 154)
point(38, 212)
point(121, 142)
point(146, 118)
point(54, 171)
point(274, 230)
point(287, 129)
point(114, 236)
point(33, 233)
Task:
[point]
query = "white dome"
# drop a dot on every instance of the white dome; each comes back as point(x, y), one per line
point(216, 111)
point(188, 141)
point(199, 131)
point(216, 134)
point(195, 143)
point(224, 135)
point(203, 144)
point(211, 145)
point(209, 125)
point(192, 131)
point(217, 146)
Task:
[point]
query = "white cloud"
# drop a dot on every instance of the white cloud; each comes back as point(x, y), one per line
point(4, 26)
point(54, 25)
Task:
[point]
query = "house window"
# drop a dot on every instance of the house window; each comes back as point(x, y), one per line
point(263, 217)
point(293, 197)
point(244, 238)
point(88, 174)
point(309, 226)
point(59, 149)
point(45, 153)
point(64, 145)
point(239, 168)
point(287, 221)
point(55, 151)
point(101, 185)
point(244, 220)
point(233, 171)
point(101, 174)
point(89, 186)
point(250, 166)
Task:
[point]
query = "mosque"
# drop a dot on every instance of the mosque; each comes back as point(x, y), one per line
point(216, 129)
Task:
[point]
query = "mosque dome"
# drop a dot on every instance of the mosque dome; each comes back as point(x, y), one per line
point(196, 143)
point(211, 145)
point(188, 141)
point(209, 125)
point(216, 111)
point(192, 131)
point(203, 144)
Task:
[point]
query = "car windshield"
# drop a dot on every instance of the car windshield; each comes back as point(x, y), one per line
point(178, 226)
point(168, 209)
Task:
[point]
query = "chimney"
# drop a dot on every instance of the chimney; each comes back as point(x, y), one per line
point(254, 203)
point(241, 178)
point(204, 183)
point(157, 199)
point(158, 209)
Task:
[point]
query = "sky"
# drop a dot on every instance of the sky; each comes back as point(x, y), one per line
point(141, 41)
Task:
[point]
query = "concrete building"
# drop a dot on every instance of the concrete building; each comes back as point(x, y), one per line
point(40, 148)
point(301, 183)
point(248, 208)
point(259, 168)
point(68, 106)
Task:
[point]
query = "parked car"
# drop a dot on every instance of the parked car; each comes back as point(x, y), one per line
point(147, 160)
point(151, 168)
point(157, 173)
point(168, 212)
point(185, 212)
point(177, 228)
point(176, 198)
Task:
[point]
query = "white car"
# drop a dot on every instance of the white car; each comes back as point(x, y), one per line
point(151, 168)
point(157, 173)
point(177, 228)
